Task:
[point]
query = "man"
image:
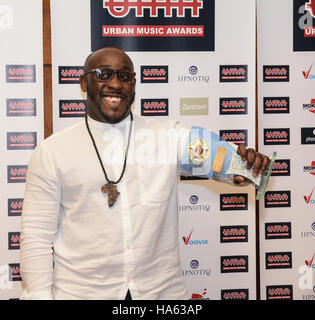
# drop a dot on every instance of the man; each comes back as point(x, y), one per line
point(99, 216)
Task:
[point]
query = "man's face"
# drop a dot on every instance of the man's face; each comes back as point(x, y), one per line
point(108, 101)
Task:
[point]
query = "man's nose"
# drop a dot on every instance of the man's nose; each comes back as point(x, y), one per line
point(115, 82)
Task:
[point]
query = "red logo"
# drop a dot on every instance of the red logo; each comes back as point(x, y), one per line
point(306, 74)
point(121, 8)
point(308, 198)
point(186, 239)
point(199, 296)
point(310, 6)
point(309, 263)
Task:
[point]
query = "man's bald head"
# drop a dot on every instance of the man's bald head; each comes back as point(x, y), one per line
point(89, 61)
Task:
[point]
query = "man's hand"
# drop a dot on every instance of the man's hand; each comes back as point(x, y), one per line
point(259, 162)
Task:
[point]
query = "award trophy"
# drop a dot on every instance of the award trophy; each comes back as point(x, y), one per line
point(206, 155)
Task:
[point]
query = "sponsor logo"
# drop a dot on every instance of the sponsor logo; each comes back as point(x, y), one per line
point(310, 263)
point(274, 73)
point(16, 174)
point(234, 136)
point(278, 230)
point(278, 260)
point(309, 234)
point(21, 140)
point(72, 108)
point(70, 74)
point(279, 136)
point(193, 76)
point(307, 74)
point(303, 25)
point(277, 199)
point(190, 22)
point(281, 167)
point(195, 270)
point(194, 106)
point(235, 294)
point(234, 264)
point(20, 73)
point(154, 74)
point(233, 73)
point(14, 240)
point(21, 107)
point(199, 295)
point(154, 107)
point(194, 206)
point(279, 292)
point(233, 106)
point(276, 105)
point(307, 135)
point(308, 198)
point(310, 169)
point(233, 201)
point(14, 272)
point(310, 106)
point(233, 234)
point(189, 242)
point(15, 207)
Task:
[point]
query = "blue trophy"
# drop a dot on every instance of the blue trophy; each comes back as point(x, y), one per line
point(207, 155)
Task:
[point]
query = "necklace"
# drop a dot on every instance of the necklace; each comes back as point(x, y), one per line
point(110, 187)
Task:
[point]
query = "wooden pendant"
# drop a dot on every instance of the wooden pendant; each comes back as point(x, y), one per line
point(112, 193)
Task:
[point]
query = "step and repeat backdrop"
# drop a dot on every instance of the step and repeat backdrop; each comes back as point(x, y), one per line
point(21, 124)
point(195, 61)
point(286, 119)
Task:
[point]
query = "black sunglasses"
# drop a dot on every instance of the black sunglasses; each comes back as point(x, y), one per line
point(107, 75)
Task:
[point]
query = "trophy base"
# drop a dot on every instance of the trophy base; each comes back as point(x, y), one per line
point(261, 189)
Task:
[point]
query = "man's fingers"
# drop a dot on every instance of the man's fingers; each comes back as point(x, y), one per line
point(251, 156)
point(265, 164)
point(242, 151)
point(257, 164)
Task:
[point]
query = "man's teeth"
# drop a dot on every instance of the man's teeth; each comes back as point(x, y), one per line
point(113, 99)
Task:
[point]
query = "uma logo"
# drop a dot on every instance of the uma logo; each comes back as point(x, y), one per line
point(277, 199)
point(281, 167)
point(234, 136)
point(15, 207)
point(284, 292)
point(189, 242)
point(274, 73)
point(70, 74)
point(277, 136)
point(120, 9)
point(154, 74)
point(154, 107)
point(21, 140)
point(233, 234)
point(14, 272)
point(276, 105)
point(233, 106)
point(233, 201)
point(21, 107)
point(20, 73)
point(14, 240)
point(234, 294)
point(72, 108)
point(17, 174)
point(278, 230)
point(234, 264)
point(234, 73)
point(278, 260)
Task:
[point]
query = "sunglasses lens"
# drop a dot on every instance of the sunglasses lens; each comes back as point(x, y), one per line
point(106, 75)
point(125, 76)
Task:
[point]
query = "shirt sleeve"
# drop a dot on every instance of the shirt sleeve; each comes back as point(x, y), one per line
point(39, 224)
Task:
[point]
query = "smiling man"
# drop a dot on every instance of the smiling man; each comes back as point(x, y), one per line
point(100, 207)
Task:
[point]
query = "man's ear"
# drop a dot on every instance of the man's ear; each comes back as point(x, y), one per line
point(83, 83)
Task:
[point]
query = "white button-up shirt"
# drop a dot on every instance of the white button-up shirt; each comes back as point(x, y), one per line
point(73, 246)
